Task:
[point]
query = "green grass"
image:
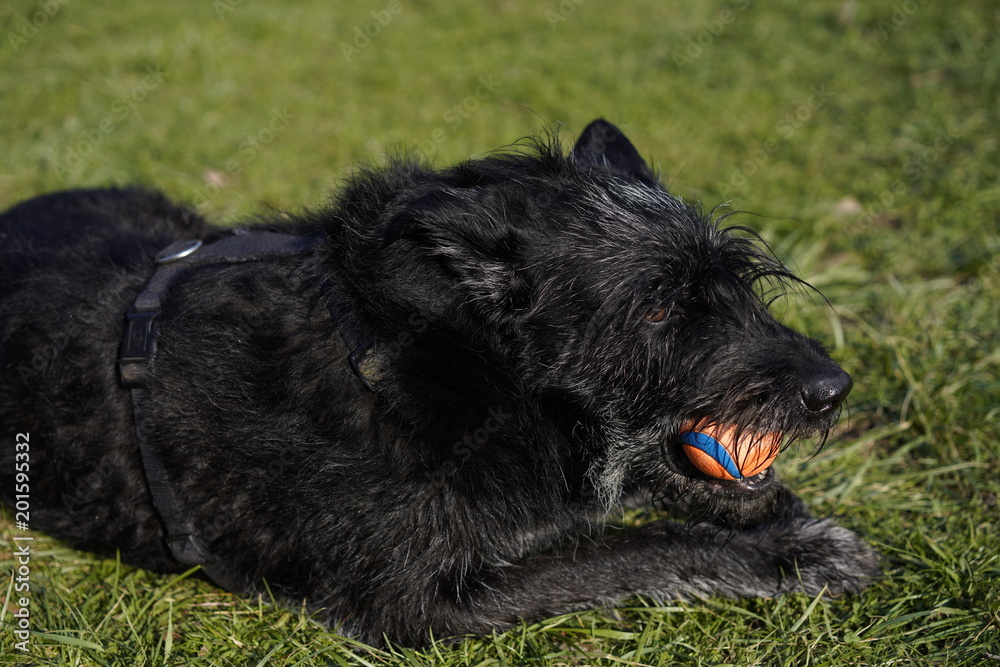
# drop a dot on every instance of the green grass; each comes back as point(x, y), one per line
point(864, 135)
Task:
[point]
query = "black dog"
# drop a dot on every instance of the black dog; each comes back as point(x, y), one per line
point(416, 407)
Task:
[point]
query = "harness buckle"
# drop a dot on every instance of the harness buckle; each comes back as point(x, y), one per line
point(138, 347)
point(176, 251)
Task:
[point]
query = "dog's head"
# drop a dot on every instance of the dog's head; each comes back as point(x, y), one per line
point(577, 293)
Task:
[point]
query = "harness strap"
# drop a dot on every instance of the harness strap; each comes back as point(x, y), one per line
point(138, 349)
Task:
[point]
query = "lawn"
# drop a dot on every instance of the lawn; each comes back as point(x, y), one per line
point(863, 137)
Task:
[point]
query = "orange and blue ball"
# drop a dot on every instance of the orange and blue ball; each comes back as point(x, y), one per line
point(723, 452)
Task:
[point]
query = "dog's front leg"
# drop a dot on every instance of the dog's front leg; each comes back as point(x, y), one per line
point(666, 560)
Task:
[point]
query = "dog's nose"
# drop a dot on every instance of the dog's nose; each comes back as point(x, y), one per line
point(826, 388)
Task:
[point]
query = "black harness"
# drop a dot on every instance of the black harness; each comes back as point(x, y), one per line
point(138, 349)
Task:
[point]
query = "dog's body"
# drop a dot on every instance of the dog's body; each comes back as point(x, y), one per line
point(540, 326)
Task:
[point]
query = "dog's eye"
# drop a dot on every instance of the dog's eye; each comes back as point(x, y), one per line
point(656, 315)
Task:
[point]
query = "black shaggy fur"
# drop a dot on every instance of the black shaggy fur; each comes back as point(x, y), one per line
point(542, 324)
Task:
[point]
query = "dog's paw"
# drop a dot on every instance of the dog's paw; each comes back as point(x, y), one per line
point(816, 555)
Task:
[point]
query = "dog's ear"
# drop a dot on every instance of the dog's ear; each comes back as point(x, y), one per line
point(473, 257)
point(603, 145)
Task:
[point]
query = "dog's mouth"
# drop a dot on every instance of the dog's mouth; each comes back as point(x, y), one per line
point(725, 457)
